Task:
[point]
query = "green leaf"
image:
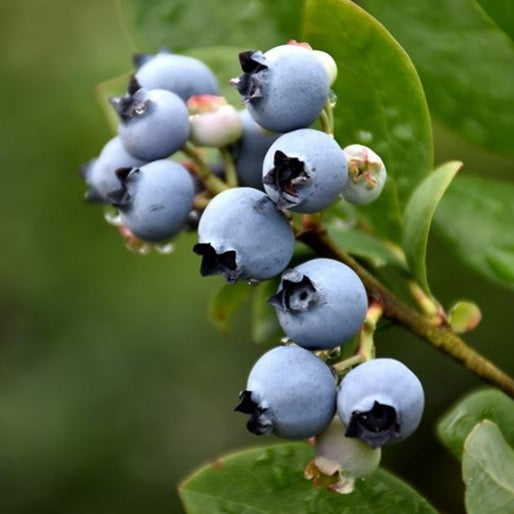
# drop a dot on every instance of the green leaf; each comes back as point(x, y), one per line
point(502, 12)
point(488, 471)
point(265, 327)
point(475, 218)
point(380, 102)
point(377, 252)
point(465, 62)
point(181, 24)
point(270, 481)
point(225, 302)
point(458, 422)
point(418, 218)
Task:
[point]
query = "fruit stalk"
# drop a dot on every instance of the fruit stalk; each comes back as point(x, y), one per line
point(440, 337)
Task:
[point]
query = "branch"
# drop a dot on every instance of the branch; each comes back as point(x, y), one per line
point(441, 337)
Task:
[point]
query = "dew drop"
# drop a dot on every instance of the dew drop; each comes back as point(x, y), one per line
point(332, 98)
point(286, 340)
point(253, 282)
point(164, 248)
point(112, 216)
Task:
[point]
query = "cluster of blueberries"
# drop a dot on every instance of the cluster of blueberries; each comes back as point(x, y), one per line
point(283, 167)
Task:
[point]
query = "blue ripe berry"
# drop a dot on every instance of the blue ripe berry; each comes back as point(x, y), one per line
point(320, 304)
point(99, 174)
point(290, 392)
point(180, 74)
point(153, 123)
point(242, 235)
point(285, 88)
point(380, 402)
point(304, 171)
point(366, 175)
point(154, 200)
point(250, 150)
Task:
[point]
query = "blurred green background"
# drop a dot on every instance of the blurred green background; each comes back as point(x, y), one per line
point(112, 384)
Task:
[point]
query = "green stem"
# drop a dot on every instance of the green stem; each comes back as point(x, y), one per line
point(366, 350)
point(211, 182)
point(326, 125)
point(438, 336)
point(230, 169)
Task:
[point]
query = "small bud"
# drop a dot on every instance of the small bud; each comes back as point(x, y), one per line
point(214, 123)
point(464, 316)
point(366, 175)
point(328, 62)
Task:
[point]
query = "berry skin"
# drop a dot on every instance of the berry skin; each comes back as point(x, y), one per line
point(320, 304)
point(285, 88)
point(242, 235)
point(304, 171)
point(153, 124)
point(180, 74)
point(250, 150)
point(380, 402)
point(290, 392)
point(366, 175)
point(99, 174)
point(154, 200)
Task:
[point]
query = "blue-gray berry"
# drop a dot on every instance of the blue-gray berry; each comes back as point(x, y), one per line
point(250, 149)
point(304, 171)
point(242, 235)
point(290, 392)
point(154, 200)
point(185, 76)
point(285, 88)
point(153, 123)
point(99, 173)
point(380, 402)
point(320, 304)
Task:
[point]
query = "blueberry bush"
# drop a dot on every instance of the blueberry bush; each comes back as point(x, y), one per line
point(296, 139)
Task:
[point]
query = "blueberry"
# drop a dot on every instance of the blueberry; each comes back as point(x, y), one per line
point(242, 235)
point(290, 392)
point(304, 171)
point(284, 89)
point(250, 150)
point(380, 402)
point(366, 175)
point(180, 74)
point(153, 124)
point(99, 174)
point(154, 200)
point(320, 304)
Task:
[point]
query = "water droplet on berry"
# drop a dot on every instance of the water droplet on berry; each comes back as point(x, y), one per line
point(332, 98)
point(164, 248)
point(286, 340)
point(112, 216)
